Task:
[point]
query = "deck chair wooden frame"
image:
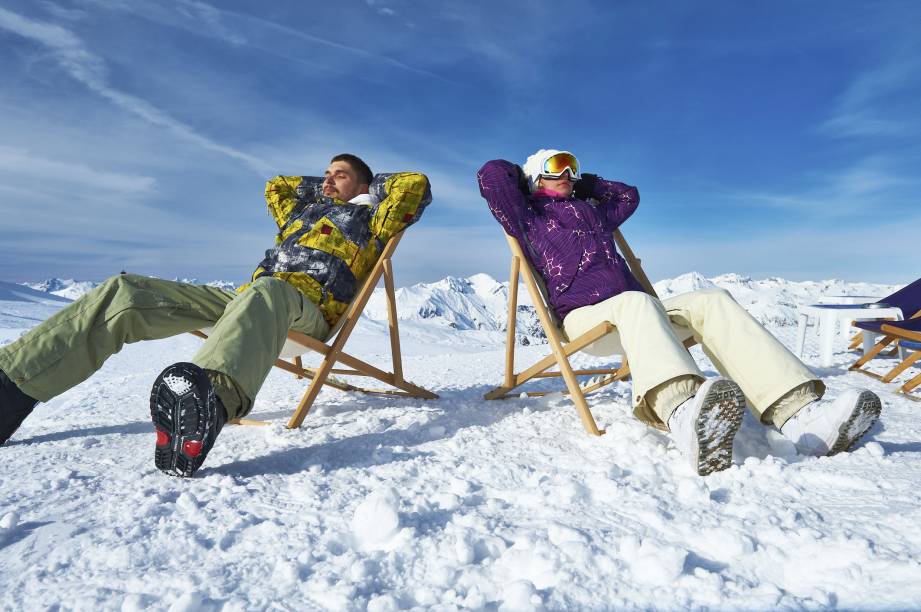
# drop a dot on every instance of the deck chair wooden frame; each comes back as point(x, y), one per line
point(561, 347)
point(333, 352)
point(892, 336)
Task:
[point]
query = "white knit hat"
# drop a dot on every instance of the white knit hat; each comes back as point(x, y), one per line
point(533, 166)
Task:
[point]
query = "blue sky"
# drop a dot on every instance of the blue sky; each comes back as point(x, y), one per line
point(766, 138)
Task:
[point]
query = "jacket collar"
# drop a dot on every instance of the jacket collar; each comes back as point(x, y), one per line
point(363, 198)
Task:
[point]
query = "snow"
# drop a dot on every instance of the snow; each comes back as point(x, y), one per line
point(381, 503)
point(72, 289)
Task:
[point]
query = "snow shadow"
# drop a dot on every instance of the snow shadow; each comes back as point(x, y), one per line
point(20, 532)
point(136, 427)
point(454, 412)
point(895, 447)
point(352, 452)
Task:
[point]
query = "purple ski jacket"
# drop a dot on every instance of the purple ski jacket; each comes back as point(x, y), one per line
point(569, 241)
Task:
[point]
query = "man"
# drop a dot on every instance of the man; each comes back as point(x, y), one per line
point(564, 220)
point(330, 233)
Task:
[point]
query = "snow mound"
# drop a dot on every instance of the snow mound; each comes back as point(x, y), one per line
point(377, 518)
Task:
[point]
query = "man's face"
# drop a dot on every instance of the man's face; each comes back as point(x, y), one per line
point(341, 182)
point(562, 185)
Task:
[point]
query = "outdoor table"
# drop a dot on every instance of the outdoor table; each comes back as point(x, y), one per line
point(847, 299)
point(829, 315)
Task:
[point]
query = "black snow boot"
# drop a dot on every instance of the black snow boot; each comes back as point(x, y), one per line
point(188, 417)
point(15, 406)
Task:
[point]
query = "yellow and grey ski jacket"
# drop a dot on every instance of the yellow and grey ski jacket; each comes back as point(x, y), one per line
point(326, 247)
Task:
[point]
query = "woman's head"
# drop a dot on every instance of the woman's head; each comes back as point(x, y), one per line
point(552, 170)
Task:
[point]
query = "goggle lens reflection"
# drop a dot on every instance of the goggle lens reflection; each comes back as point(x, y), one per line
point(556, 165)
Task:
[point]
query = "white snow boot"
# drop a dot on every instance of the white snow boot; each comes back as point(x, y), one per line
point(826, 427)
point(703, 427)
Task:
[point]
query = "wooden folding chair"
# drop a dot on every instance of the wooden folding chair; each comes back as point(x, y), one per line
point(299, 344)
point(562, 347)
point(907, 336)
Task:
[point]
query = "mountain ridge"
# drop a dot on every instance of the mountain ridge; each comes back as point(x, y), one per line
point(480, 302)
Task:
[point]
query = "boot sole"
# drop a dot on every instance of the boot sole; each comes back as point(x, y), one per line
point(179, 408)
point(717, 423)
point(866, 411)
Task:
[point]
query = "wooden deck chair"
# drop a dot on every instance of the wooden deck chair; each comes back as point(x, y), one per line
point(331, 348)
point(907, 299)
point(908, 336)
point(561, 346)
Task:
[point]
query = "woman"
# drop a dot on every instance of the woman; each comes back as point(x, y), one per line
point(564, 220)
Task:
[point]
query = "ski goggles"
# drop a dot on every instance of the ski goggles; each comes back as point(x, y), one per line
point(555, 165)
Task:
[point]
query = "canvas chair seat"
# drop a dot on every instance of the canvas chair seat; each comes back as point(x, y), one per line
point(907, 299)
point(601, 340)
point(331, 347)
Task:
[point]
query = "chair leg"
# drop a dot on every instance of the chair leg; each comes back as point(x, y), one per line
point(873, 352)
point(562, 360)
point(622, 373)
point(248, 422)
point(303, 407)
point(856, 341)
point(300, 365)
point(906, 363)
point(910, 385)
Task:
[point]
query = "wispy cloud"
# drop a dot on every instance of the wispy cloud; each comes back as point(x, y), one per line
point(868, 106)
point(854, 189)
point(205, 19)
point(61, 12)
point(27, 166)
point(91, 70)
point(212, 18)
point(383, 10)
point(351, 49)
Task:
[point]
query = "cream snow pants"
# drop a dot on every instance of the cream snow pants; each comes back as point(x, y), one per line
point(776, 384)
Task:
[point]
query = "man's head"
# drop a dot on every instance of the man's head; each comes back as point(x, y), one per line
point(554, 170)
point(346, 177)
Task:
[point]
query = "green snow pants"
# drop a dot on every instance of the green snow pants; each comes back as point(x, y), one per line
point(249, 331)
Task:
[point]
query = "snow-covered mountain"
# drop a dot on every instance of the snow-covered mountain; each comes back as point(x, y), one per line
point(23, 307)
point(72, 289)
point(773, 301)
point(63, 287)
point(479, 302)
